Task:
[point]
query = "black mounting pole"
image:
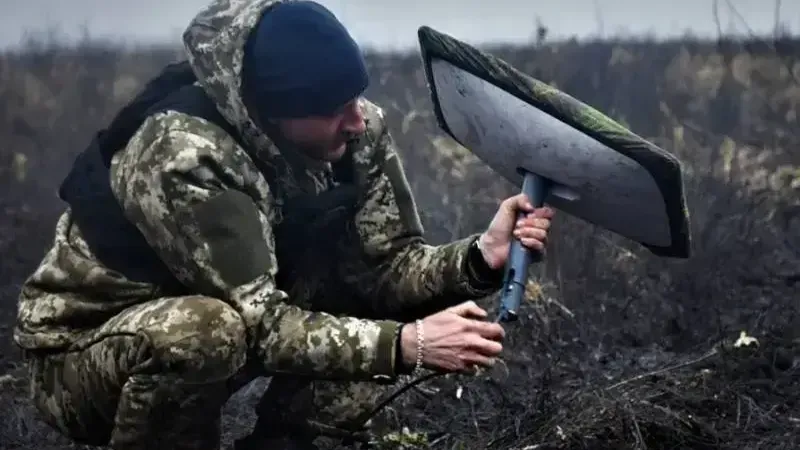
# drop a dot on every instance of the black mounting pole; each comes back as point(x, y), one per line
point(535, 187)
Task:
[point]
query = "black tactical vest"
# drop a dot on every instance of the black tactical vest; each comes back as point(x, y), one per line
point(119, 245)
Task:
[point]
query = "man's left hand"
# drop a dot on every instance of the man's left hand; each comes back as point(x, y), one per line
point(531, 230)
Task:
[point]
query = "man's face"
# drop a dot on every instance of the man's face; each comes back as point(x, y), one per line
point(324, 138)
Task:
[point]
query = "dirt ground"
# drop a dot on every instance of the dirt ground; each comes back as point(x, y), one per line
point(620, 349)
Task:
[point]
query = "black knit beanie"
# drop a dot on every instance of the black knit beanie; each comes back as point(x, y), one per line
point(300, 61)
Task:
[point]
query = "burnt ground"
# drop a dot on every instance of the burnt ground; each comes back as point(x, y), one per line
point(620, 350)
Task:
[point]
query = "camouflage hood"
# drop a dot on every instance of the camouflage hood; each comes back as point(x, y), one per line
point(214, 42)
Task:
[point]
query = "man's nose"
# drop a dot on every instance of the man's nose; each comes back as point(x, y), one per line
point(354, 119)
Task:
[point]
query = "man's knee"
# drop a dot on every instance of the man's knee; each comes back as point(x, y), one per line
point(199, 339)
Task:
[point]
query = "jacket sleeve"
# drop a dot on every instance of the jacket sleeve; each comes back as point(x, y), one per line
point(410, 276)
point(192, 196)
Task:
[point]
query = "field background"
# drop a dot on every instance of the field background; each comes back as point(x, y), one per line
point(621, 349)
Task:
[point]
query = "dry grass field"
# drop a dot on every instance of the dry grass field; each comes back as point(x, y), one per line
point(620, 350)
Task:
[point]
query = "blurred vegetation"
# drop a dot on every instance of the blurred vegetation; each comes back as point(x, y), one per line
point(601, 309)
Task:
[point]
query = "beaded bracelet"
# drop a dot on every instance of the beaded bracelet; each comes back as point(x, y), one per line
point(420, 346)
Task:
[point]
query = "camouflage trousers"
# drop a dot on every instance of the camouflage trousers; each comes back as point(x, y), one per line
point(157, 375)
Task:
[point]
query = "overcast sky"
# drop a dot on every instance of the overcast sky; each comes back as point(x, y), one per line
point(393, 23)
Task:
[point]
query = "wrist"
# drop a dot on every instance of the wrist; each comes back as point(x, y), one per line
point(408, 345)
point(481, 245)
point(483, 271)
point(412, 345)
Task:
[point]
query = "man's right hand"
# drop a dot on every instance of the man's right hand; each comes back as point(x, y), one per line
point(455, 340)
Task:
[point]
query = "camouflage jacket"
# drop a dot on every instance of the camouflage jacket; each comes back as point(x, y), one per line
point(200, 198)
